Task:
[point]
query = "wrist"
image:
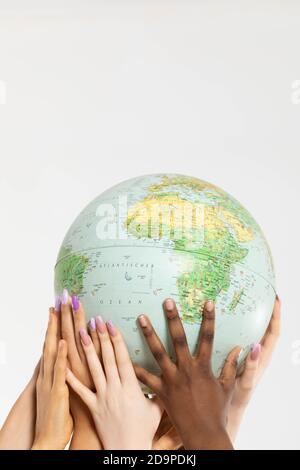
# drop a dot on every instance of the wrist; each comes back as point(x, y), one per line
point(235, 417)
point(207, 438)
point(47, 444)
point(85, 436)
point(40, 445)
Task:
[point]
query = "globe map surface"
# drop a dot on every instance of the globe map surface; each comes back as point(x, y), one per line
point(170, 235)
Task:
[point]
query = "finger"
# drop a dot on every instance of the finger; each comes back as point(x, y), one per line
point(79, 323)
point(206, 337)
point(164, 426)
point(156, 346)
point(273, 331)
point(124, 363)
point(229, 371)
point(270, 339)
point(247, 379)
point(57, 310)
point(36, 371)
point(59, 377)
point(107, 352)
point(87, 396)
point(176, 331)
point(151, 381)
point(94, 336)
point(93, 361)
point(156, 406)
point(41, 369)
point(50, 347)
point(67, 327)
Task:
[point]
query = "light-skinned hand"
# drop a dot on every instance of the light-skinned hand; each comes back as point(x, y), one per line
point(123, 416)
point(73, 319)
point(53, 420)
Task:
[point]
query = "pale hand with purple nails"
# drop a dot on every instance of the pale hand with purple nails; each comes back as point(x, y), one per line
point(124, 417)
point(65, 297)
point(75, 302)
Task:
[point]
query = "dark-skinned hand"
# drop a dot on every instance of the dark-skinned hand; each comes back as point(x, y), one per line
point(195, 400)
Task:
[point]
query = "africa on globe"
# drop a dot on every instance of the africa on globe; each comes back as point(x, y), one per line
point(168, 235)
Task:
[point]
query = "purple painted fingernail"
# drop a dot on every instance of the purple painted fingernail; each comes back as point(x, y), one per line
point(111, 328)
point(65, 297)
point(92, 323)
point(75, 302)
point(100, 324)
point(84, 337)
point(57, 303)
point(255, 349)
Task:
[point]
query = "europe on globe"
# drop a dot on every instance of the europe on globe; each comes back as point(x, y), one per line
point(168, 235)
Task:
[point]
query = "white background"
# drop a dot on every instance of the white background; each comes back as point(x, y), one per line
point(100, 91)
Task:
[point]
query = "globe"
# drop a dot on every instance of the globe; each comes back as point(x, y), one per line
point(167, 235)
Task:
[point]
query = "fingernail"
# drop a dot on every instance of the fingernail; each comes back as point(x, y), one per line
point(57, 303)
point(84, 337)
point(92, 324)
point(75, 302)
point(143, 321)
point(169, 304)
point(100, 324)
point(240, 355)
point(65, 297)
point(255, 351)
point(111, 328)
point(209, 306)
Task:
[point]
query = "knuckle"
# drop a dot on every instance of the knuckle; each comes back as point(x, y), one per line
point(172, 315)
point(67, 335)
point(208, 316)
point(60, 390)
point(180, 341)
point(60, 366)
point(49, 351)
point(246, 387)
point(104, 337)
point(232, 363)
point(223, 382)
point(158, 354)
point(204, 367)
point(117, 339)
point(208, 337)
point(148, 332)
point(186, 377)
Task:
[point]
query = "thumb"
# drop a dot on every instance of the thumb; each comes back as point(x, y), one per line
point(60, 367)
point(248, 378)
